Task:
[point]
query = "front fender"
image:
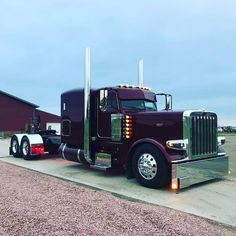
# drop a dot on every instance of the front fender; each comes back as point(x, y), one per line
point(150, 141)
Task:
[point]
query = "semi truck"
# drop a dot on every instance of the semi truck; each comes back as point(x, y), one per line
point(121, 127)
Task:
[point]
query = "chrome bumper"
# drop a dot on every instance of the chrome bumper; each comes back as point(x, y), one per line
point(192, 172)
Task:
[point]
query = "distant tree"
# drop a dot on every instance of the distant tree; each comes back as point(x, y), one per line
point(229, 129)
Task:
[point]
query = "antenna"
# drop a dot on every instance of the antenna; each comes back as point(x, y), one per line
point(140, 72)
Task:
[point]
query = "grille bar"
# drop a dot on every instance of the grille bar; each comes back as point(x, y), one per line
point(204, 136)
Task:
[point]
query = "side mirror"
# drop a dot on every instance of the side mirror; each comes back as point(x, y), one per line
point(168, 100)
point(168, 104)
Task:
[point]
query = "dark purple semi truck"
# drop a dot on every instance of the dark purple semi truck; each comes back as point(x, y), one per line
point(121, 126)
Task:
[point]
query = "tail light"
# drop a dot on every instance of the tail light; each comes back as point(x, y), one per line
point(128, 126)
point(37, 149)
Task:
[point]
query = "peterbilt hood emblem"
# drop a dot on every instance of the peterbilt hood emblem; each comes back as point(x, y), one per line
point(159, 124)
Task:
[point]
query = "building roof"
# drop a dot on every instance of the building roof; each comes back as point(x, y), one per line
point(19, 99)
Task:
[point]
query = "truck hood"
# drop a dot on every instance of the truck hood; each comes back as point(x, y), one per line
point(159, 125)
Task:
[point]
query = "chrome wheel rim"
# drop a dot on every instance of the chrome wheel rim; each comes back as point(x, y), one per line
point(147, 166)
point(25, 148)
point(14, 146)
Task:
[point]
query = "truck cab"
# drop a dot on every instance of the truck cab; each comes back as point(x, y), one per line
point(122, 127)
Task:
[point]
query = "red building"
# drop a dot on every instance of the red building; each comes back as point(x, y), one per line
point(16, 114)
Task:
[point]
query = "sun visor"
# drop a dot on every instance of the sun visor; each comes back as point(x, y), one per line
point(136, 94)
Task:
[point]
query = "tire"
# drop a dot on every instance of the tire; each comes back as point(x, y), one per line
point(25, 148)
point(150, 167)
point(15, 147)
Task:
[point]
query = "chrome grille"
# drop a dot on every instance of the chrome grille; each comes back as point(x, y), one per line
point(203, 133)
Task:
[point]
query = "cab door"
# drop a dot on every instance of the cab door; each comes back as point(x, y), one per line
point(107, 105)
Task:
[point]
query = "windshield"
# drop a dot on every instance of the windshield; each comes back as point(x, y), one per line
point(143, 105)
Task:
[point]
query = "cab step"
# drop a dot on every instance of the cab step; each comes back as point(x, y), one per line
point(100, 167)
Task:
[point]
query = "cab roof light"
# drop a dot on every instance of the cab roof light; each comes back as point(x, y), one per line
point(133, 86)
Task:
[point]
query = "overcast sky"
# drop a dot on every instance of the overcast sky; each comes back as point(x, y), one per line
point(188, 47)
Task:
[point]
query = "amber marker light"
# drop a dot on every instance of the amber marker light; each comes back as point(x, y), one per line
point(175, 185)
point(128, 126)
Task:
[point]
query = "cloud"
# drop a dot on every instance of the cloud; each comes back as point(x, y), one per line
point(188, 47)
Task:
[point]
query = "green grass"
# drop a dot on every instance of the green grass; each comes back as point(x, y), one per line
point(226, 134)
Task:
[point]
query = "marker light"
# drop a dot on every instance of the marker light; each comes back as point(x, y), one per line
point(174, 184)
point(37, 149)
point(133, 86)
point(128, 126)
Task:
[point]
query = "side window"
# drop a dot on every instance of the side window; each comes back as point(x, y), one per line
point(108, 101)
point(103, 99)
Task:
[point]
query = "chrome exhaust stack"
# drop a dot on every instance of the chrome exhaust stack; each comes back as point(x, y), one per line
point(75, 154)
point(87, 108)
point(140, 73)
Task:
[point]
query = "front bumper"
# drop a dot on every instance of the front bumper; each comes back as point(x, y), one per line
point(187, 173)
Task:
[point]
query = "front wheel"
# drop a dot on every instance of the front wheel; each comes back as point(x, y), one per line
point(150, 167)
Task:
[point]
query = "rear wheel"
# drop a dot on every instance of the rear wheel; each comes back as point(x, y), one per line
point(150, 167)
point(25, 148)
point(15, 147)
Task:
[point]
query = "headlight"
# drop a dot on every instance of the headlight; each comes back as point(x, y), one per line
point(177, 144)
point(221, 141)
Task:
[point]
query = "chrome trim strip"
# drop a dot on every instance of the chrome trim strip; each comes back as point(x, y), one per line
point(220, 154)
point(62, 152)
point(181, 160)
point(187, 113)
point(78, 152)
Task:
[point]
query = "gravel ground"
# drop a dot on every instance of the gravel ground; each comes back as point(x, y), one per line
point(36, 204)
